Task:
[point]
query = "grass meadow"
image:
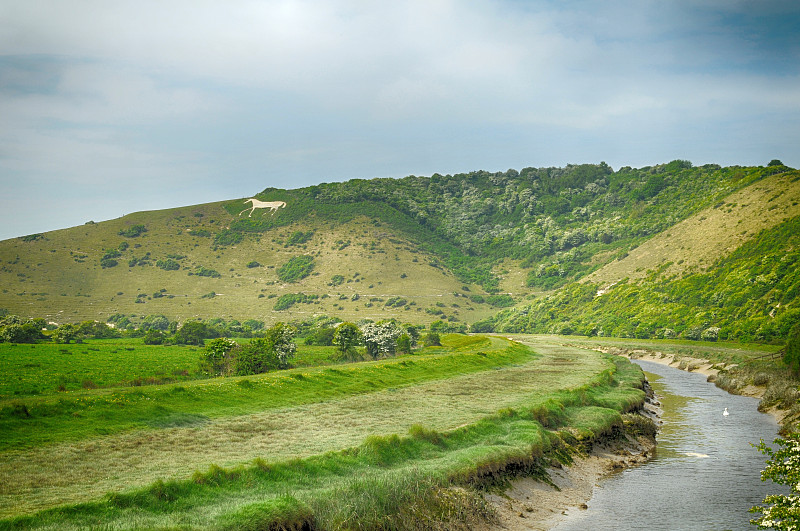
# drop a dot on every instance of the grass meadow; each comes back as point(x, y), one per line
point(373, 445)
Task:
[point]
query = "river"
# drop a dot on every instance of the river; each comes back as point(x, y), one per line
point(705, 474)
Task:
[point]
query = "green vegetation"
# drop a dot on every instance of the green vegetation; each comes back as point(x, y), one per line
point(791, 356)
point(133, 231)
point(781, 511)
point(225, 357)
point(206, 272)
point(168, 265)
point(299, 237)
point(752, 294)
point(51, 368)
point(521, 418)
point(297, 268)
point(228, 237)
point(513, 232)
point(556, 218)
point(288, 300)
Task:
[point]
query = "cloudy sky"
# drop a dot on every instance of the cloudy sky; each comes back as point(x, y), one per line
point(110, 107)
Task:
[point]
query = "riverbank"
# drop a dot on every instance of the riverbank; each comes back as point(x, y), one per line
point(530, 504)
point(703, 366)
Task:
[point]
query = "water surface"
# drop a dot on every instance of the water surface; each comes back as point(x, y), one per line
point(706, 474)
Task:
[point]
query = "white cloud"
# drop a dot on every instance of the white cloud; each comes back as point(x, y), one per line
point(284, 93)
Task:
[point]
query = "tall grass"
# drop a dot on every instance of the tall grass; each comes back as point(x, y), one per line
point(90, 413)
point(394, 481)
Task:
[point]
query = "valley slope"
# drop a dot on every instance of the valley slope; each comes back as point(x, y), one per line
point(455, 248)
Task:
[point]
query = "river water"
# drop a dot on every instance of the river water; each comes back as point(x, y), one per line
point(705, 474)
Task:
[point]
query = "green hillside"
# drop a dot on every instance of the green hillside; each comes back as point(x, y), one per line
point(456, 248)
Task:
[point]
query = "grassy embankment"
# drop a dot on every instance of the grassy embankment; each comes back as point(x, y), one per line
point(360, 445)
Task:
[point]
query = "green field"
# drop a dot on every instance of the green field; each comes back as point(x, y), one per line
point(49, 368)
point(221, 452)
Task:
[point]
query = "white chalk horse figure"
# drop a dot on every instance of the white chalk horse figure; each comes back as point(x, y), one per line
point(272, 205)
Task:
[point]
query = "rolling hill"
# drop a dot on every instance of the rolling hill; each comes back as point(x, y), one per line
point(455, 248)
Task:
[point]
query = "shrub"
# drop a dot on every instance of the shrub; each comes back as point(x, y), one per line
point(203, 272)
point(153, 337)
point(380, 338)
point(216, 358)
point(432, 339)
point(133, 231)
point(228, 237)
point(64, 333)
point(791, 356)
point(322, 336)
point(155, 322)
point(168, 265)
point(288, 300)
point(299, 237)
point(482, 327)
point(253, 264)
point(194, 333)
point(404, 344)
point(710, 334)
point(396, 302)
point(500, 301)
point(296, 268)
point(346, 337)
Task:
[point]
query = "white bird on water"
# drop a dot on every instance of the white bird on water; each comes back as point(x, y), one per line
point(725, 413)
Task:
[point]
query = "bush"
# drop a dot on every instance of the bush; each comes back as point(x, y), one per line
point(322, 336)
point(203, 272)
point(153, 337)
point(380, 338)
point(217, 359)
point(791, 356)
point(299, 237)
point(482, 327)
point(194, 333)
point(64, 333)
point(288, 300)
point(133, 231)
point(228, 237)
point(432, 339)
point(253, 264)
point(500, 301)
point(267, 353)
point(296, 268)
point(168, 265)
point(346, 337)
point(404, 344)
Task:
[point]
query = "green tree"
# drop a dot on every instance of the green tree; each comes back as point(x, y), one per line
point(281, 336)
point(346, 337)
point(297, 268)
point(781, 511)
point(432, 339)
point(153, 337)
point(791, 356)
point(268, 353)
point(96, 330)
point(216, 358)
point(64, 333)
point(194, 333)
point(404, 344)
point(155, 322)
point(381, 338)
